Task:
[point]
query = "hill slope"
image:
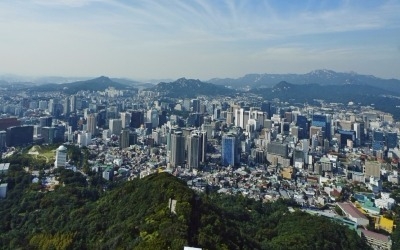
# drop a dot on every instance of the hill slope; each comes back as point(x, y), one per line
point(137, 215)
point(96, 84)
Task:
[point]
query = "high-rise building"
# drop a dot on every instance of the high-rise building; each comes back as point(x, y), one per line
point(115, 126)
point(45, 121)
point(193, 158)
point(124, 139)
point(48, 134)
point(391, 139)
point(61, 157)
point(302, 123)
point(66, 106)
point(72, 103)
point(43, 104)
point(3, 136)
point(229, 150)
point(91, 124)
point(203, 146)
point(136, 119)
point(266, 107)
point(177, 156)
point(360, 132)
point(126, 119)
point(132, 138)
point(196, 106)
point(152, 116)
point(324, 122)
point(346, 135)
point(229, 118)
point(17, 136)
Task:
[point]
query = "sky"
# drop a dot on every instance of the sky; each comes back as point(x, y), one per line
point(201, 39)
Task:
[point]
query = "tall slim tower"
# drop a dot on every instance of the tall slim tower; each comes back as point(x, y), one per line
point(177, 149)
point(124, 139)
point(91, 124)
point(126, 119)
point(3, 136)
point(194, 151)
point(228, 154)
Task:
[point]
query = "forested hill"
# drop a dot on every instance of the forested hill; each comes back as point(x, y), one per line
point(137, 215)
point(190, 88)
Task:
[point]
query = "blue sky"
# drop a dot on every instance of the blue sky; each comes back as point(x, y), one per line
point(149, 39)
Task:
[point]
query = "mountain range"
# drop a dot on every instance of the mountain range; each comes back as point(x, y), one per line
point(322, 77)
point(97, 84)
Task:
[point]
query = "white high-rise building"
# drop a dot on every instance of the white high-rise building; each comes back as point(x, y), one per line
point(126, 119)
point(115, 126)
point(61, 157)
point(91, 124)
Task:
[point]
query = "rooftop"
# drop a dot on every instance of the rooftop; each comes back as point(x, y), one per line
point(375, 236)
point(352, 210)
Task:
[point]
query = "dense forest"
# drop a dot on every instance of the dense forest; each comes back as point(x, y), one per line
point(137, 215)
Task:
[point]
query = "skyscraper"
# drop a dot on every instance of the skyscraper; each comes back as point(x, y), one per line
point(91, 124)
point(324, 122)
point(302, 123)
point(17, 136)
point(196, 106)
point(3, 135)
point(45, 121)
point(124, 139)
point(177, 156)
point(115, 126)
point(229, 151)
point(391, 139)
point(136, 119)
point(48, 134)
point(126, 119)
point(193, 151)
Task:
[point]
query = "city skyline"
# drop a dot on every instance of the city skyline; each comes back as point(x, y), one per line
point(198, 39)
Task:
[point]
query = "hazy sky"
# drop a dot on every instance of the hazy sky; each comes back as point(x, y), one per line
point(145, 39)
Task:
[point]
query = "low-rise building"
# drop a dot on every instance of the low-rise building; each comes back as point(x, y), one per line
point(376, 240)
point(353, 213)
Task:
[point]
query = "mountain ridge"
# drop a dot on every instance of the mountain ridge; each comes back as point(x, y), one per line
point(321, 76)
point(97, 84)
point(190, 88)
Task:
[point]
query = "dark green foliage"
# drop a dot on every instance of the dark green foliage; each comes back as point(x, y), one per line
point(136, 215)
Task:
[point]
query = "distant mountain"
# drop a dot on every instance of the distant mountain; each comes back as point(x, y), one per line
point(322, 77)
point(136, 84)
point(190, 88)
point(357, 93)
point(97, 84)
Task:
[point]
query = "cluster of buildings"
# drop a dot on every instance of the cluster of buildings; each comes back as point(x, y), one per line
point(243, 145)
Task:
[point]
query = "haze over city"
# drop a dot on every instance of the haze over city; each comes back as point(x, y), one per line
point(198, 39)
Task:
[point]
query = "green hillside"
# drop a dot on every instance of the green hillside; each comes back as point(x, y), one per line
point(136, 215)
